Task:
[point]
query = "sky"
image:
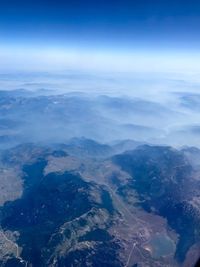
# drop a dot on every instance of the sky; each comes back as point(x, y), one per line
point(115, 35)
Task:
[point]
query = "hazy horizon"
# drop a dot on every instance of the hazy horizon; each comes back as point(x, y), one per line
point(127, 36)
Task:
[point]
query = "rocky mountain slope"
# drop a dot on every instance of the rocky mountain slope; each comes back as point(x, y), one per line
point(87, 204)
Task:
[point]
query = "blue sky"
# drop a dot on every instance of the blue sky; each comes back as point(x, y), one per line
point(152, 28)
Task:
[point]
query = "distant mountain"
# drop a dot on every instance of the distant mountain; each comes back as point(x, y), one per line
point(15, 93)
point(87, 148)
point(190, 100)
point(23, 93)
point(42, 116)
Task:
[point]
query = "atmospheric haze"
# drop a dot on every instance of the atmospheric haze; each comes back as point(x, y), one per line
point(145, 107)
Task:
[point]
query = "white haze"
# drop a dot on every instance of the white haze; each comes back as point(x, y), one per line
point(160, 108)
point(46, 58)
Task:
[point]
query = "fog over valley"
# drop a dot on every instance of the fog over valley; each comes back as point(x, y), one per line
point(106, 107)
